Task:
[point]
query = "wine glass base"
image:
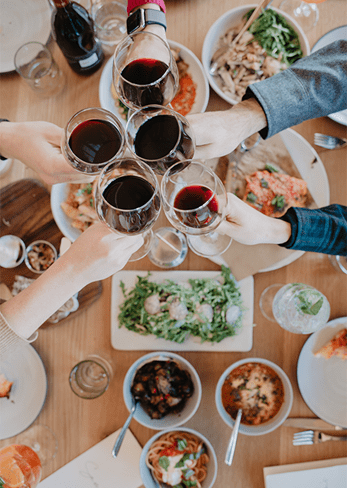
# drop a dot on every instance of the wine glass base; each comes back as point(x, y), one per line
point(305, 14)
point(212, 244)
point(266, 301)
point(169, 248)
point(42, 440)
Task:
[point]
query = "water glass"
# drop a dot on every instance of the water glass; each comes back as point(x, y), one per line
point(35, 64)
point(339, 263)
point(109, 23)
point(91, 377)
point(296, 307)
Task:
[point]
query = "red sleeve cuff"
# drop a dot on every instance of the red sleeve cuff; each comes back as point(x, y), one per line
point(137, 3)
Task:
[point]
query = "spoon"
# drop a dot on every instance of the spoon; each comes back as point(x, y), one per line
point(232, 443)
point(122, 433)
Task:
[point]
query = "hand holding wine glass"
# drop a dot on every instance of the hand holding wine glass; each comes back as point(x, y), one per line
point(144, 71)
point(194, 201)
point(160, 137)
point(127, 200)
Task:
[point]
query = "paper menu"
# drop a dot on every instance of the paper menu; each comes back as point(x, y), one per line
point(97, 468)
point(330, 473)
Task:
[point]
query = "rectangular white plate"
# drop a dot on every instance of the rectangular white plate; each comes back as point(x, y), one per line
point(127, 340)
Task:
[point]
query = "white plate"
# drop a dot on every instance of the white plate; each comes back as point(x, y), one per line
point(195, 69)
point(328, 38)
point(315, 176)
point(323, 382)
point(221, 25)
point(124, 339)
point(59, 194)
point(20, 22)
point(28, 393)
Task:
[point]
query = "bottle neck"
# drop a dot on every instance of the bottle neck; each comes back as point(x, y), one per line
point(60, 3)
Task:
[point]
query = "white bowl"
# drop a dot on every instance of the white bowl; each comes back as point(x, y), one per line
point(59, 194)
point(195, 69)
point(212, 466)
point(221, 25)
point(270, 425)
point(170, 421)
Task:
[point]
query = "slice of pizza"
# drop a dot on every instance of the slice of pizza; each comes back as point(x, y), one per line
point(337, 346)
point(5, 386)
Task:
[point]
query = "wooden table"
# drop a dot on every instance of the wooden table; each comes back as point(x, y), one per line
point(80, 424)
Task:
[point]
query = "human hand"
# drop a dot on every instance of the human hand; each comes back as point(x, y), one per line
point(219, 133)
point(99, 253)
point(37, 145)
point(247, 225)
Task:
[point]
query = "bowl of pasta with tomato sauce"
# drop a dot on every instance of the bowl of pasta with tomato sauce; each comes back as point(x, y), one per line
point(261, 389)
point(181, 457)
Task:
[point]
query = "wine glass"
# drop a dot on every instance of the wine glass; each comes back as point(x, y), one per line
point(92, 138)
point(127, 199)
point(296, 307)
point(194, 200)
point(305, 12)
point(160, 137)
point(144, 71)
point(21, 461)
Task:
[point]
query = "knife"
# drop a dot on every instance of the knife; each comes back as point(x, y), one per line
point(310, 423)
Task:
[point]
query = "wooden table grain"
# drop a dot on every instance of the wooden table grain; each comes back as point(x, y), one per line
point(80, 424)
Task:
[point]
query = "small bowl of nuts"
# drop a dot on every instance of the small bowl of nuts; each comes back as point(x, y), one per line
point(40, 255)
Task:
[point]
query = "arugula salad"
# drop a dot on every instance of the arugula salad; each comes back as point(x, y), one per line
point(210, 309)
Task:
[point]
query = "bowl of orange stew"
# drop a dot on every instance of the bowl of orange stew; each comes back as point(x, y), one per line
point(263, 391)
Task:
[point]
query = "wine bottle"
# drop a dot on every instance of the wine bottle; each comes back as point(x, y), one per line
point(73, 30)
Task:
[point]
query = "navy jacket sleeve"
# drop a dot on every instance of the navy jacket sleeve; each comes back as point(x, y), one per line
point(312, 87)
point(319, 230)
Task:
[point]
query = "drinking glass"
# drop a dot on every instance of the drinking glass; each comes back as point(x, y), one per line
point(127, 200)
point(194, 200)
point(20, 467)
point(35, 64)
point(339, 263)
point(93, 138)
point(305, 12)
point(296, 307)
point(144, 71)
point(91, 377)
point(160, 137)
point(109, 23)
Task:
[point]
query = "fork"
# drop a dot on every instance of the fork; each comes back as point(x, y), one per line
point(309, 437)
point(329, 142)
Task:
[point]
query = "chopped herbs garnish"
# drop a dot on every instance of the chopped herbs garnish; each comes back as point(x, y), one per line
point(125, 109)
point(264, 183)
point(270, 168)
point(87, 189)
point(276, 36)
point(219, 295)
point(2, 482)
point(251, 197)
point(278, 202)
point(182, 461)
point(181, 444)
point(164, 462)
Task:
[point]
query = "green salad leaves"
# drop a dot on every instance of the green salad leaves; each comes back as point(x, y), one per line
point(224, 297)
point(276, 36)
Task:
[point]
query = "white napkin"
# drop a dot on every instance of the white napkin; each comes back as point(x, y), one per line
point(97, 468)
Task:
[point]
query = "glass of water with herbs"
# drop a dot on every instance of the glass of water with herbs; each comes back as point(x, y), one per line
point(296, 307)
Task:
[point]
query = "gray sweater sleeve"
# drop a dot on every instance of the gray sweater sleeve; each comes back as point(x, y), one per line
point(312, 87)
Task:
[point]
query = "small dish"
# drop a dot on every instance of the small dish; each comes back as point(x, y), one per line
point(12, 251)
point(221, 25)
point(40, 255)
point(171, 420)
point(212, 465)
point(271, 424)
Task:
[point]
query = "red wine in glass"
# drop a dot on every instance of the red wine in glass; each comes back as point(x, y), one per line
point(199, 205)
point(162, 141)
point(132, 206)
point(95, 141)
point(148, 80)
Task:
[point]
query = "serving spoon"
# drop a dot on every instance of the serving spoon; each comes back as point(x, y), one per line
point(122, 433)
point(232, 443)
